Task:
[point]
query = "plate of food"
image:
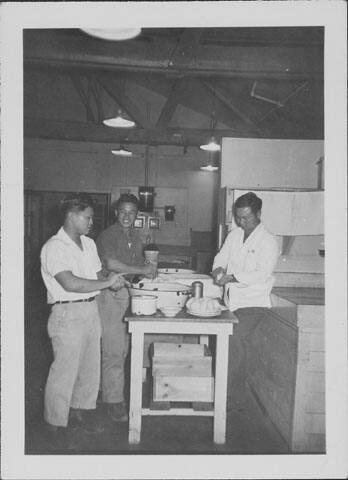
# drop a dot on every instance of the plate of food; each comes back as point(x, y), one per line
point(204, 307)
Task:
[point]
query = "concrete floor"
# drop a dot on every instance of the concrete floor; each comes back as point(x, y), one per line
point(249, 430)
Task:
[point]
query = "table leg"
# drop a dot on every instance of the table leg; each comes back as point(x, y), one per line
point(220, 395)
point(136, 386)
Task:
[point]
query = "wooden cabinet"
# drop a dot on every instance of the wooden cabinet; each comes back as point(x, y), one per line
point(287, 369)
point(272, 369)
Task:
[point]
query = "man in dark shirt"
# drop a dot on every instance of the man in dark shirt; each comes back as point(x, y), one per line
point(121, 251)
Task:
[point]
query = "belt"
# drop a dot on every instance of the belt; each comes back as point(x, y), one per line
point(90, 299)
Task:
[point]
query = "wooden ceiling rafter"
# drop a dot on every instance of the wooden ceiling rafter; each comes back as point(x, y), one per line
point(283, 101)
point(181, 58)
point(272, 61)
point(172, 101)
point(82, 131)
point(190, 67)
point(226, 101)
point(84, 95)
point(95, 87)
point(186, 49)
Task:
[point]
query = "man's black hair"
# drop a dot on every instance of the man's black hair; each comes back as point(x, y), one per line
point(126, 198)
point(75, 202)
point(251, 200)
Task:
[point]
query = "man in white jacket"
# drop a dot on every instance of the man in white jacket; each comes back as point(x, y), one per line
point(244, 267)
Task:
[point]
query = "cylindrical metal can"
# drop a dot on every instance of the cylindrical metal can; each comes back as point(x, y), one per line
point(197, 289)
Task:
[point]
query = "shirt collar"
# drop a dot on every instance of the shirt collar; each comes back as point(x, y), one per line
point(120, 229)
point(256, 230)
point(62, 235)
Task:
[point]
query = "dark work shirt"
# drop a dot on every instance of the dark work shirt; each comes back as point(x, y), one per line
point(114, 243)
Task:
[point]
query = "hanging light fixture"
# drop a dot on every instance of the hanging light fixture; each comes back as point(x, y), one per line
point(119, 121)
point(122, 152)
point(211, 146)
point(212, 164)
point(113, 34)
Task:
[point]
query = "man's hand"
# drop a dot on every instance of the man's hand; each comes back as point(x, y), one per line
point(116, 281)
point(218, 274)
point(221, 278)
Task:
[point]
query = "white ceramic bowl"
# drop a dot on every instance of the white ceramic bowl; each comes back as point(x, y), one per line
point(170, 311)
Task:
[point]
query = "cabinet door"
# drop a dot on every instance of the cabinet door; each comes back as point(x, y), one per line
point(285, 212)
point(272, 369)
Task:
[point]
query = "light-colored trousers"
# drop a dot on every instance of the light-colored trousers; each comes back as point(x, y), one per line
point(115, 343)
point(74, 376)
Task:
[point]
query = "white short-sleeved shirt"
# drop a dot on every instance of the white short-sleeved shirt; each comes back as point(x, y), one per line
point(60, 253)
point(252, 263)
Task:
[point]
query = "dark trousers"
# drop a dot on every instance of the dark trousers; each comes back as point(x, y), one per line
point(239, 346)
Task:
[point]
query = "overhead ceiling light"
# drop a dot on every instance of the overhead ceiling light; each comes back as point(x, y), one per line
point(212, 163)
point(119, 122)
point(122, 152)
point(209, 168)
point(113, 34)
point(211, 146)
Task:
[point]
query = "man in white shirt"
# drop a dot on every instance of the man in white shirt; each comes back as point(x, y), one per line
point(244, 267)
point(70, 269)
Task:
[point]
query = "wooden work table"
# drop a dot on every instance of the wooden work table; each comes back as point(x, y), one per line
point(287, 366)
point(185, 324)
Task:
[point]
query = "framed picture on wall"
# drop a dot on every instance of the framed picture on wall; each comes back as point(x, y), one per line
point(139, 222)
point(154, 222)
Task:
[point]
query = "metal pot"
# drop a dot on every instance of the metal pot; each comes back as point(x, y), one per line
point(144, 304)
point(168, 294)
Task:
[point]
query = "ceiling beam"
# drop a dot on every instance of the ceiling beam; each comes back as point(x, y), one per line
point(96, 90)
point(231, 105)
point(186, 49)
point(85, 96)
point(169, 107)
point(90, 132)
point(58, 49)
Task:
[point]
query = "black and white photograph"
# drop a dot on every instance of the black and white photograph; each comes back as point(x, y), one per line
point(174, 260)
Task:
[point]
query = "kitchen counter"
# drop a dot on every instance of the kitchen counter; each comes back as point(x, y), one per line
point(176, 256)
point(286, 372)
point(301, 295)
point(300, 271)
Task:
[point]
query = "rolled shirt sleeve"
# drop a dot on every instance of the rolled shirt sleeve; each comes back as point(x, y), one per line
point(222, 257)
point(54, 258)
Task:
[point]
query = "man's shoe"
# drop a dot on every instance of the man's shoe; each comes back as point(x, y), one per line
point(79, 418)
point(117, 412)
point(59, 438)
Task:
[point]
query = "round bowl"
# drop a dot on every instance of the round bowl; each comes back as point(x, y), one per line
point(170, 311)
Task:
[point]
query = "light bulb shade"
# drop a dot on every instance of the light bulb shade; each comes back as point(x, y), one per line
point(113, 34)
point(119, 122)
point(209, 168)
point(211, 146)
point(212, 162)
point(122, 152)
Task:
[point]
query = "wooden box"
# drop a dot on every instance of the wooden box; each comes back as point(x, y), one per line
point(182, 372)
point(181, 350)
point(182, 367)
point(183, 389)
